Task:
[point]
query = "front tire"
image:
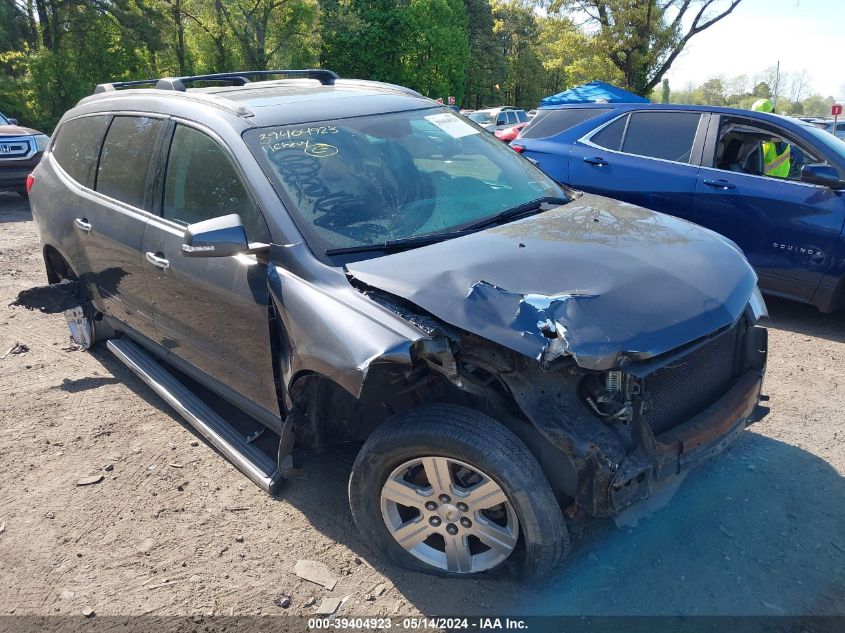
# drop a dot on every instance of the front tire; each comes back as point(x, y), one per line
point(447, 490)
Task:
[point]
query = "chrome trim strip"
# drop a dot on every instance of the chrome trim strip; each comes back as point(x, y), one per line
point(29, 141)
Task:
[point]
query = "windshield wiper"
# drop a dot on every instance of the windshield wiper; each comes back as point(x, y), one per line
point(395, 245)
point(532, 206)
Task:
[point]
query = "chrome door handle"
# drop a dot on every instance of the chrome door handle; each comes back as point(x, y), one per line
point(595, 160)
point(719, 184)
point(83, 224)
point(158, 262)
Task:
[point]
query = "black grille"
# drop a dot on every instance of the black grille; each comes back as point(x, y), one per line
point(690, 384)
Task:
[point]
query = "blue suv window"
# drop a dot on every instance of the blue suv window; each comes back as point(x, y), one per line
point(611, 136)
point(552, 122)
point(666, 135)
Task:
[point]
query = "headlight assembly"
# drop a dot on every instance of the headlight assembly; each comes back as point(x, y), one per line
point(41, 141)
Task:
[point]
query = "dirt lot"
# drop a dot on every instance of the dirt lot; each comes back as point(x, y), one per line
point(174, 529)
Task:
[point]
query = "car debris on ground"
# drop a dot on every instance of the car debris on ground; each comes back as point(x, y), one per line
point(17, 348)
point(316, 572)
point(329, 605)
point(90, 480)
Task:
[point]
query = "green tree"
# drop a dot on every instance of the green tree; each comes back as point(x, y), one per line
point(817, 105)
point(436, 55)
point(422, 44)
point(711, 92)
point(516, 30)
point(365, 38)
point(571, 57)
point(762, 91)
point(644, 37)
point(487, 65)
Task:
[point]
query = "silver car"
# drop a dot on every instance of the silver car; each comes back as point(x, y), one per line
point(493, 119)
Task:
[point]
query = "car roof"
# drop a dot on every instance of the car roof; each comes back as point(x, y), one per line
point(497, 109)
point(276, 102)
point(622, 107)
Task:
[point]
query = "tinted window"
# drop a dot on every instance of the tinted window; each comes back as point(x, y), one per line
point(551, 122)
point(125, 160)
point(201, 184)
point(77, 147)
point(611, 136)
point(666, 135)
point(502, 119)
point(522, 116)
point(512, 120)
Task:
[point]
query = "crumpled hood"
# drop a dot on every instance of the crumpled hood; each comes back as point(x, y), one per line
point(599, 279)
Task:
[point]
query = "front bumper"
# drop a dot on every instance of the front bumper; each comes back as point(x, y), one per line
point(711, 431)
point(600, 468)
point(13, 173)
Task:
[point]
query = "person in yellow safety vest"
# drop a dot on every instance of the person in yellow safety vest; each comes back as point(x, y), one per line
point(777, 155)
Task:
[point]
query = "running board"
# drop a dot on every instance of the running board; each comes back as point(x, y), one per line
point(251, 461)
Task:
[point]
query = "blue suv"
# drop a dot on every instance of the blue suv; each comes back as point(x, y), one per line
point(705, 164)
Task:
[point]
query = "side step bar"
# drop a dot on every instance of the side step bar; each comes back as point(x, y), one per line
point(252, 462)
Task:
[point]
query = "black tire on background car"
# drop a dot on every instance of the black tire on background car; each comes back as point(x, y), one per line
point(460, 491)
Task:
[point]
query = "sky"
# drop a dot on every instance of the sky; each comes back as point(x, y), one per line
point(803, 34)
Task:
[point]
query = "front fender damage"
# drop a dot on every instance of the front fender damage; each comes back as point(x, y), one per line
point(334, 334)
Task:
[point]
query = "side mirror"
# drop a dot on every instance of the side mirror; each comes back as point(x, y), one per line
point(823, 175)
point(218, 237)
point(13, 121)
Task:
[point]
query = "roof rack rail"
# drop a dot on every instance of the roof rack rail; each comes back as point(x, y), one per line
point(325, 77)
point(111, 87)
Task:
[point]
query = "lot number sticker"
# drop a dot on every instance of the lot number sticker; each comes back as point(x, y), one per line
point(452, 125)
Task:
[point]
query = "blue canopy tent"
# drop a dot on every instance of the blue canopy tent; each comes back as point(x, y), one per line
point(593, 92)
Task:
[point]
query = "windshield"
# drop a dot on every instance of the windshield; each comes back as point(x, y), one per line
point(830, 142)
point(371, 179)
point(3, 119)
point(482, 118)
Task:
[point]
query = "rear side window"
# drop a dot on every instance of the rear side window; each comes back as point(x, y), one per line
point(611, 136)
point(126, 156)
point(77, 147)
point(201, 183)
point(522, 116)
point(666, 135)
point(552, 122)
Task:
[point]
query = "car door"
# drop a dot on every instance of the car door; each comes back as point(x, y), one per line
point(211, 312)
point(648, 158)
point(788, 229)
point(548, 139)
point(111, 222)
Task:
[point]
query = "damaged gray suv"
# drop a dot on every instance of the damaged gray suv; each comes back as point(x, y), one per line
point(348, 261)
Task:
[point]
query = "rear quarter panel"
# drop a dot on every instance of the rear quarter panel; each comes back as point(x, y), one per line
point(55, 201)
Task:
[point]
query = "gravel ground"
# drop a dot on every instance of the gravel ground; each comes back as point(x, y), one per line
point(174, 529)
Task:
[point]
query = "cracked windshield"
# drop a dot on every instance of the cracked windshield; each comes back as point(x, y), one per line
point(367, 180)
